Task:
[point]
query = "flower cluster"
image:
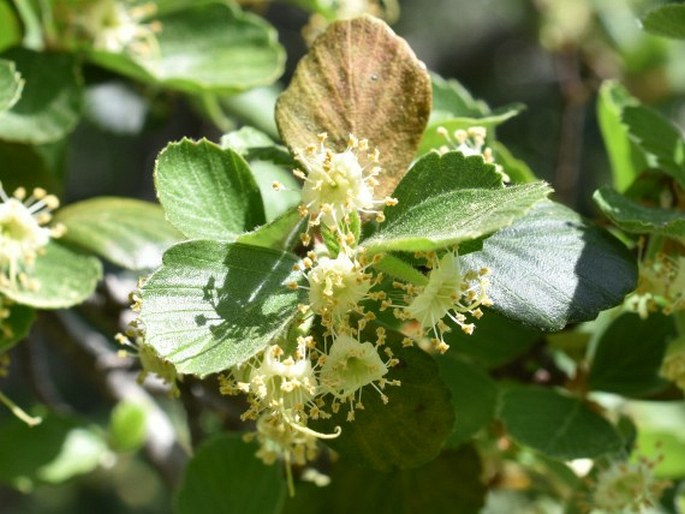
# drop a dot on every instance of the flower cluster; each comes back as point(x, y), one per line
point(627, 487)
point(116, 27)
point(24, 234)
point(469, 142)
point(661, 284)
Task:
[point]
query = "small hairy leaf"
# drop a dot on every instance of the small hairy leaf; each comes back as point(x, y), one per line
point(629, 354)
point(206, 191)
point(360, 78)
point(225, 476)
point(639, 219)
point(50, 103)
point(64, 278)
point(556, 425)
point(127, 232)
point(213, 305)
point(11, 85)
point(551, 268)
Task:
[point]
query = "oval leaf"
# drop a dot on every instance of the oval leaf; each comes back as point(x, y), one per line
point(550, 268)
point(65, 278)
point(213, 47)
point(666, 20)
point(410, 429)
point(11, 85)
point(632, 217)
point(206, 191)
point(557, 425)
point(447, 199)
point(359, 78)
point(130, 233)
point(50, 102)
point(225, 476)
point(212, 305)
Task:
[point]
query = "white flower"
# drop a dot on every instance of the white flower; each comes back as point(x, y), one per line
point(627, 487)
point(448, 293)
point(471, 142)
point(661, 283)
point(22, 234)
point(337, 184)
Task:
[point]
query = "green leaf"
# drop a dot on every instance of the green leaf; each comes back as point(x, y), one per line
point(432, 139)
point(225, 476)
point(447, 199)
point(130, 233)
point(449, 484)
point(627, 160)
point(550, 268)
point(50, 103)
point(629, 354)
point(359, 78)
point(206, 48)
point(283, 233)
point(207, 192)
point(474, 397)
point(276, 202)
point(127, 426)
point(451, 99)
point(15, 327)
point(558, 426)
point(11, 32)
point(65, 278)
point(213, 305)
point(52, 452)
point(666, 20)
point(658, 137)
point(407, 432)
point(633, 217)
point(11, 85)
point(519, 172)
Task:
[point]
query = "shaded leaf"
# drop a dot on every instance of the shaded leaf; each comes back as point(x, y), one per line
point(633, 217)
point(359, 78)
point(550, 268)
point(50, 102)
point(130, 233)
point(283, 233)
point(556, 425)
point(15, 327)
point(447, 199)
point(207, 192)
point(64, 278)
point(11, 85)
point(666, 20)
point(629, 354)
point(407, 432)
point(211, 47)
point(449, 484)
point(451, 99)
point(213, 305)
point(225, 476)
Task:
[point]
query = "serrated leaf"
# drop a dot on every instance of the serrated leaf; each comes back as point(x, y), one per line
point(206, 191)
point(627, 160)
point(130, 233)
point(658, 137)
point(360, 78)
point(447, 199)
point(50, 102)
point(15, 327)
point(666, 20)
point(550, 268)
point(633, 217)
point(558, 426)
point(64, 278)
point(410, 429)
point(432, 139)
point(205, 48)
point(629, 354)
point(474, 396)
point(11, 85)
point(449, 484)
point(52, 452)
point(225, 476)
point(213, 305)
